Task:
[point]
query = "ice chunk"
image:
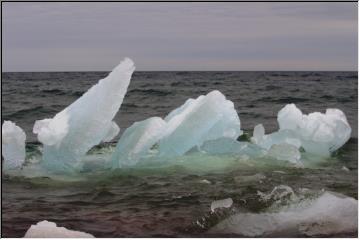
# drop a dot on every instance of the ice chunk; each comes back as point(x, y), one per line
point(85, 123)
point(345, 169)
point(327, 215)
point(279, 194)
point(258, 134)
point(285, 152)
point(205, 181)
point(198, 120)
point(319, 133)
point(224, 203)
point(45, 229)
point(258, 177)
point(289, 117)
point(231, 146)
point(137, 141)
point(281, 137)
point(13, 145)
point(112, 132)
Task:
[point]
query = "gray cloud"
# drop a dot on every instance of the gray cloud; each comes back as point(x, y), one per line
point(180, 36)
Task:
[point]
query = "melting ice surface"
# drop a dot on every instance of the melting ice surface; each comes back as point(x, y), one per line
point(46, 229)
point(327, 214)
point(13, 145)
point(85, 123)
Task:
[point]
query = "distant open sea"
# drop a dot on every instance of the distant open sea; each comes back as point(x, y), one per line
point(168, 202)
point(258, 96)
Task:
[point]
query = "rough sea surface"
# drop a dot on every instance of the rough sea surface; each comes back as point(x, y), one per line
point(173, 200)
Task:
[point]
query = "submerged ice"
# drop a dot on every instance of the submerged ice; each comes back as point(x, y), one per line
point(85, 123)
point(13, 145)
point(325, 215)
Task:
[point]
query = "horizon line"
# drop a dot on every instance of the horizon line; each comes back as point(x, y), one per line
point(186, 71)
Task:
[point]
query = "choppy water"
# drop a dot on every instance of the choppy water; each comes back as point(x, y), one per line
point(172, 199)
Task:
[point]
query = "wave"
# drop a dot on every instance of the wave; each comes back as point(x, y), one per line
point(153, 92)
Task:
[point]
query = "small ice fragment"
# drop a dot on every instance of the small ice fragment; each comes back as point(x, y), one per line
point(198, 120)
point(45, 229)
point(279, 193)
point(224, 203)
point(285, 152)
point(345, 169)
point(13, 145)
point(112, 132)
point(205, 181)
point(137, 141)
point(258, 134)
point(85, 123)
point(252, 178)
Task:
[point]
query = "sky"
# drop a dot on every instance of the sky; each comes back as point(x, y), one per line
point(179, 36)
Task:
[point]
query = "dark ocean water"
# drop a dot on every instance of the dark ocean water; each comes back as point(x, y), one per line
point(170, 201)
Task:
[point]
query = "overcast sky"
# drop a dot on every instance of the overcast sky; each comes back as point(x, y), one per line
point(179, 36)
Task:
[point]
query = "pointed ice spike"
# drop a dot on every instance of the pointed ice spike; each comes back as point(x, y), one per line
point(85, 123)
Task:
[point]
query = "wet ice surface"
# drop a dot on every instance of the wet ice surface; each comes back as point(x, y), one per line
point(169, 199)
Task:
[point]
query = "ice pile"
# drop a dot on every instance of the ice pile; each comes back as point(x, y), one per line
point(85, 123)
point(326, 215)
point(45, 229)
point(207, 124)
point(317, 133)
point(13, 145)
point(198, 120)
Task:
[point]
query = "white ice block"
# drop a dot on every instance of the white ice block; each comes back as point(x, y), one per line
point(198, 120)
point(85, 123)
point(13, 145)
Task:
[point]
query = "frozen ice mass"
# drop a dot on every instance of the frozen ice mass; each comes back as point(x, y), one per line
point(208, 124)
point(13, 145)
point(206, 118)
point(46, 229)
point(85, 123)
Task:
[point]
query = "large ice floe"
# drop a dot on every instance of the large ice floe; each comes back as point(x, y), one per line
point(46, 229)
point(85, 123)
point(13, 145)
point(326, 215)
